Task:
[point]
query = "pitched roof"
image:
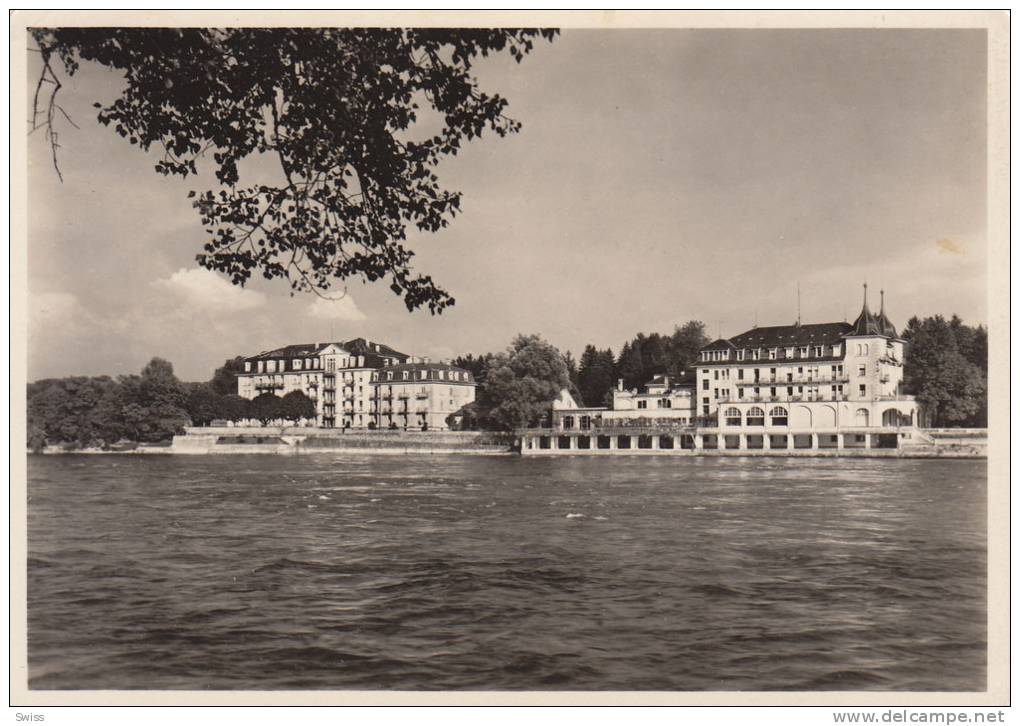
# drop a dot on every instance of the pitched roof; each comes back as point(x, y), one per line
point(719, 344)
point(374, 352)
point(784, 336)
point(431, 371)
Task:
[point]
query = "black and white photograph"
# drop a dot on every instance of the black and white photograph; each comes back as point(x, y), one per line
point(532, 354)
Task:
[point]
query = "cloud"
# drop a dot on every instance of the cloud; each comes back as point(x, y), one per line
point(53, 307)
point(343, 308)
point(205, 289)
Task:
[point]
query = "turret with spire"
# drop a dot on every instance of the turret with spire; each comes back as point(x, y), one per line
point(868, 323)
point(884, 324)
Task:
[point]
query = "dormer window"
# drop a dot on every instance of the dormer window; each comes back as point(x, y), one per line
point(406, 375)
point(247, 366)
point(803, 352)
point(740, 354)
point(789, 352)
point(773, 353)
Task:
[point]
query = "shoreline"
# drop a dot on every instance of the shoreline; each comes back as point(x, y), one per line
point(396, 451)
point(286, 441)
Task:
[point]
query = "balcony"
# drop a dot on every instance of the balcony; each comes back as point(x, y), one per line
point(403, 396)
point(422, 396)
point(796, 380)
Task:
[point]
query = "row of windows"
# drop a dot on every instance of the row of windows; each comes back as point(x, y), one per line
point(813, 392)
point(423, 375)
point(659, 403)
point(755, 374)
point(816, 351)
point(756, 416)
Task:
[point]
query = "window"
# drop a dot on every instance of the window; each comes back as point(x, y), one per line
point(568, 422)
point(716, 371)
point(863, 390)
point(789, 390)
point(818, 351)
point(732, 416)
point(755, 416)
point(789, 352)
point(772, 391)
point(740, 374)
point(247, 366)
point(773, 353)
point(406, 375)
point(704, 384)
point(271, 366)
point(803, 351)
point(740, 354)
point(740, 393)
point(837, 351)
point(642, 404)
point(862, 370)
point(665, 403)
point(779, 416)
point(296, 364)
point(755, 354)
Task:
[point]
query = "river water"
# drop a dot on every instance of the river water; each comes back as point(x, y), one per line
point(490, 572)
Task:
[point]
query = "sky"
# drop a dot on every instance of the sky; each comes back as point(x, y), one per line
point(660, 176)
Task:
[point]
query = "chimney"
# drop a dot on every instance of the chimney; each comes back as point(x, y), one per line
point(619, 384)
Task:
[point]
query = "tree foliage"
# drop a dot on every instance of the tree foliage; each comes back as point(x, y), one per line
point(296, 406)
point(224, 380)
point(946, 369)
point(596, 372)
point(337, 110)
point(266, 407)
point(100, 411)
point(520, 383)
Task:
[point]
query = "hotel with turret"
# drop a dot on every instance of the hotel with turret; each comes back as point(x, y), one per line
point(788, 387)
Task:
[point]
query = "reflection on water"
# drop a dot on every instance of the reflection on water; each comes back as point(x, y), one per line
point(361, 572)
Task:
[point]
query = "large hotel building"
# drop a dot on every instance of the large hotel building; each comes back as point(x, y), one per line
point(800, 386)
point(359, 384)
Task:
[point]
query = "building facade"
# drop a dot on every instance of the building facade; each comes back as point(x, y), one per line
point(782, 388)
point(807, 377)
point(420, 395)
point(341, 380)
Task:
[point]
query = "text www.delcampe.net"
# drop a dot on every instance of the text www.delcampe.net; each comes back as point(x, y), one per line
point(907, 716)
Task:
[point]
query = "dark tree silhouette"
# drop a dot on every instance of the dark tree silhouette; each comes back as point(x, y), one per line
point(337, 109)
point(296, 405)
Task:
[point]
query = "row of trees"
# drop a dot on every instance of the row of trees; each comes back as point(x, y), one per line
point(947, 370)
point(148, 408)
point(516, 386)
point(640, 359)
